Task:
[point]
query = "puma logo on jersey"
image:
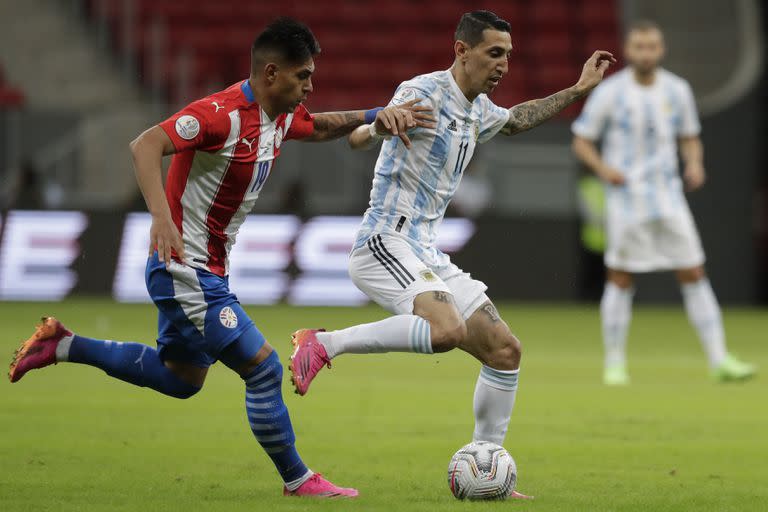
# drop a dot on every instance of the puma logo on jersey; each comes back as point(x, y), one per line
point(248, 143)
point(216, 104)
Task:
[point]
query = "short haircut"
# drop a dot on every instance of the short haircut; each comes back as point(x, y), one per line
point(642, 25)
point(472, 24)
point(286, 39)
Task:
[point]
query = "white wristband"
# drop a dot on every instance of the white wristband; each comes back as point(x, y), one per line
point(374, 134)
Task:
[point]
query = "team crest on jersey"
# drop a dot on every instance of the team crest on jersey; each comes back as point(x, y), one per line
point(228, 318)
point(187, 127)
point(428, 276)
point(278, 138)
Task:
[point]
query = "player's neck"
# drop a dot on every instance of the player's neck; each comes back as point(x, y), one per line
point(646, 79)
point(262, 98)
point(463, 81)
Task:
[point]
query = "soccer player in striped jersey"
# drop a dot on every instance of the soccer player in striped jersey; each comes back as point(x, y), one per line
point(645, 115)
point(224, 147)
point(395, 261)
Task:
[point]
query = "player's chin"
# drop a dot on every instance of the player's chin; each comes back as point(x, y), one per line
point(490, 87)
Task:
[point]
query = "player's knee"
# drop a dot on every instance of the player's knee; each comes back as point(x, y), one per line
point(448, 335)
point(621, 279)
point(691, 275)
point(507, 352)
point(184, 390)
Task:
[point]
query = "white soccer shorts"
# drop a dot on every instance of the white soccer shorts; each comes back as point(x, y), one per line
point(388, 270)
point(668, 243)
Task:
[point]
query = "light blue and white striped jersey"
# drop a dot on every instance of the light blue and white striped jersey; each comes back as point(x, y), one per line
point(639, 126)
point(412, 188)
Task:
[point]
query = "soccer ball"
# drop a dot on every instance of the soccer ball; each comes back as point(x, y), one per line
point(482, 471)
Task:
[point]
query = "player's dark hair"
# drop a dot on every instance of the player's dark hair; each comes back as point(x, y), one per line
point(472, 24)
point(642, 25)
point(286, 39)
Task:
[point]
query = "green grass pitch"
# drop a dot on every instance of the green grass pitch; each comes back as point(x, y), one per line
point(73, 439)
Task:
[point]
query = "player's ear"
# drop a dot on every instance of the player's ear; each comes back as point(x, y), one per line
point(270, 72)
point(460, 48)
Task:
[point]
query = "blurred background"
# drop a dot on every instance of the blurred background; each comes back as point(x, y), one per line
point(79, 79)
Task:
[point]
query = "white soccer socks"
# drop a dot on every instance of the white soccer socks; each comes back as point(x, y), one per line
point(615, 314)
point(704, 314)
point(400, 333)
point(494, 399)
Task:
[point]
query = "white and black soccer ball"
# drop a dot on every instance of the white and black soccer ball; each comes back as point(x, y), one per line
point(482, 471)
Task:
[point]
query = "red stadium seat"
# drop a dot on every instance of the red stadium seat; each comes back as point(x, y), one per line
point(369, 47)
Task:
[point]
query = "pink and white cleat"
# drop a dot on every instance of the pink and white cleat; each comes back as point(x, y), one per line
point(319, 487)
point(307, 360)
point(39, 350)
point(519, 496)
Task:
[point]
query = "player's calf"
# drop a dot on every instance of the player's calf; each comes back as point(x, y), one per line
point(506, 351)
point(447, 328)
point(491, 341)
point(448, 335)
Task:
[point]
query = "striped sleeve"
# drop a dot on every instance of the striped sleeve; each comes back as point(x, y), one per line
point(594, 116)
point(690, 125)
point(302, 124)
point(494, 119)
point(197, 126)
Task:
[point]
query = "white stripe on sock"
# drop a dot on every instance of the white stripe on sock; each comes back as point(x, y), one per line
point(295, 484)
point(62, 349)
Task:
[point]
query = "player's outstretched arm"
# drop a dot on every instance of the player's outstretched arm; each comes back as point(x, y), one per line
point(532, 113)
point(393, 120)
point(148, 150)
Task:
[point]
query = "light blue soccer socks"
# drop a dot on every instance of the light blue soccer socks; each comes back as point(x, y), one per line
point(400, 333)
point(494, 399)
point(135, 363)
point(270, 422)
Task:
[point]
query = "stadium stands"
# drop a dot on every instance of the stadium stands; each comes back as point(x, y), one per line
point(368, 46)
point(10, 96)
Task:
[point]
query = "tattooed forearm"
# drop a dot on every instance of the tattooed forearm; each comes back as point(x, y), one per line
point(332, 125)
point(443, 297)
point(489, 309)
point(532, 113)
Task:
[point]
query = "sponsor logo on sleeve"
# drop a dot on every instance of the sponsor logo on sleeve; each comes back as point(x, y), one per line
point(187, 127)
point(405, 95)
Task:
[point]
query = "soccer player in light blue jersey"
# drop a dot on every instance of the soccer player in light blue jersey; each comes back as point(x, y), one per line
point(395, 261)
point(644, 115)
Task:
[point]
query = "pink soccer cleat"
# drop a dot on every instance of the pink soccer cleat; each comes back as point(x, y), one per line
point(39, 350)
point(519, 496)
point(307, 360)
point(319, 487)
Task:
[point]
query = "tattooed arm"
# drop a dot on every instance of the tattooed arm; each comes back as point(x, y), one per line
point(391, 121)
point(532, 113)
point(332, 125)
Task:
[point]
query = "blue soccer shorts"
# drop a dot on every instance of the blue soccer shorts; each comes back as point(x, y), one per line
point(198, 315)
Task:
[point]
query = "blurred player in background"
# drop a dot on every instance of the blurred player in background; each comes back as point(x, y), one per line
point(224, 147)
point(644, 115)
point(395, 261)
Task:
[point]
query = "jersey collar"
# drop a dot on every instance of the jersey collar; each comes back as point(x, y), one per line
point(457, 91)
point(247, 91)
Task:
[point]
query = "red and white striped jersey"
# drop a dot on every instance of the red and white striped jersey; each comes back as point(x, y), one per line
point(226, 146)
